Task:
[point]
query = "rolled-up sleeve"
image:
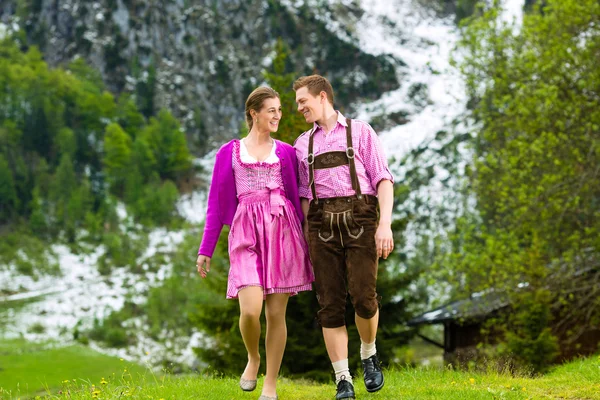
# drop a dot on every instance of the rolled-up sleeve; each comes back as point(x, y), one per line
point(375, 161)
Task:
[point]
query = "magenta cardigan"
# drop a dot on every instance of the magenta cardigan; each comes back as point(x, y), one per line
point(222, 196)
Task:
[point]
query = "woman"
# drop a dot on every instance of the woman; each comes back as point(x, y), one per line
point(254, 189)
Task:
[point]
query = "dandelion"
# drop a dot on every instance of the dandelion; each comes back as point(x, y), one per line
point(453, 383)
point(122, 359)
point(472, 381)
point(524, 389)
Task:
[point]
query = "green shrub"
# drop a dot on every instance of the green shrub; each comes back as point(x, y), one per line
point(529, 339)
point(111, 330)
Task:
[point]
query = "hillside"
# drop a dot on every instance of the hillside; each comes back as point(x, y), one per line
point(201, 59)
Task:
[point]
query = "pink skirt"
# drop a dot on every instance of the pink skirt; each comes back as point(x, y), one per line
point(267, 247)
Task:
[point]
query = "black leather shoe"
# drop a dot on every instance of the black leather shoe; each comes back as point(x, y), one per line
point(372, 374)
point(345, 390)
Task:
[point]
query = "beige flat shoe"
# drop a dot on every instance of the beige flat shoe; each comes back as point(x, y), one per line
point(263, 397)
point(247, 385)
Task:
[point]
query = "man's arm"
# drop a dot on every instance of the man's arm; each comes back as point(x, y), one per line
point(376, 166)
point(304, 202)
point(384, 239)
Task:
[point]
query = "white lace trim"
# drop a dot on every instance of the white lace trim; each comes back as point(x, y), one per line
point(247, 158)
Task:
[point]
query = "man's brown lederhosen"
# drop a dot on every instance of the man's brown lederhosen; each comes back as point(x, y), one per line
point(341, 241)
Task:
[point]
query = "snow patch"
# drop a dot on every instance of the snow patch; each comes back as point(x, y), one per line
point(80, 294)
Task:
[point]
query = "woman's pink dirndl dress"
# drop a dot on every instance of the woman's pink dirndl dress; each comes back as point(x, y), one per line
point(266, 244)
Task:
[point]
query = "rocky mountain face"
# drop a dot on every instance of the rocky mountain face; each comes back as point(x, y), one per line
point(201, 58)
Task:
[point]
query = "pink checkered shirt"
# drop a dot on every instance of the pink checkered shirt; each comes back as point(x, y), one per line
point(370, 160)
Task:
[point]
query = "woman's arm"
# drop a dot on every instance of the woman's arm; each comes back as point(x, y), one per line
point(213, 224)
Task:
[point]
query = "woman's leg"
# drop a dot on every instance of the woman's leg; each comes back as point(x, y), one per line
point(251, 300)
point(275, 340)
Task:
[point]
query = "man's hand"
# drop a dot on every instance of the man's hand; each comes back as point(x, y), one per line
point(203, 264)
point(384, 240)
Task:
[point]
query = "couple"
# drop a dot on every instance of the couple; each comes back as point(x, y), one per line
point(284, 203)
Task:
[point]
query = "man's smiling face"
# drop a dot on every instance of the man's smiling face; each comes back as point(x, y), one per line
point(308, 105)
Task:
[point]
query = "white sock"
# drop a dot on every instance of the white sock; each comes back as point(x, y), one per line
point(367, 350)
point(341, 371)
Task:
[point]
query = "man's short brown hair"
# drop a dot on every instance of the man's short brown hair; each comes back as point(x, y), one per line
point(315, 85)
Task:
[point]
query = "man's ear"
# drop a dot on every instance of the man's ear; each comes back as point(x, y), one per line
point(323, 96)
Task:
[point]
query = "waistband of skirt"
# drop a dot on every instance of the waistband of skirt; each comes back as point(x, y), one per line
point(259, 195)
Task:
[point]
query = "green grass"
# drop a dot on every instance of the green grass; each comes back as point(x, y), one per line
point(28, 369)
point(576, 380)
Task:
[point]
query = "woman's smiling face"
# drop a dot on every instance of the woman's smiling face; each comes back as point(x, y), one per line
point(267, 119)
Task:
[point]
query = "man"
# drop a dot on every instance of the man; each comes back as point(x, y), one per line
point(343, 177)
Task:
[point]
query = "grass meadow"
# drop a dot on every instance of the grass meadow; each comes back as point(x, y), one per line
point(41, 371)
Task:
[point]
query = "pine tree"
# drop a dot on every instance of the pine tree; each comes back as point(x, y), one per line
point(62, 187)
point(38, 222)
point(128, 116)
point(169, 146)
point(117, 156)
point(8, 193)
point(66, 142)
point(143, 158)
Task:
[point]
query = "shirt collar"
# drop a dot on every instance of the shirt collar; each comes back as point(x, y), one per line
point(340, 120)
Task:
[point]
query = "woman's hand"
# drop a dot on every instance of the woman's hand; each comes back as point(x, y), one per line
point(203, 264)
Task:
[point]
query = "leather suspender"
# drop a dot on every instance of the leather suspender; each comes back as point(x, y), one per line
point(311, 166)
point(350, 154)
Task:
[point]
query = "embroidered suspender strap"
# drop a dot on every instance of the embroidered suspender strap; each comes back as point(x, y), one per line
point(310, 159)
point(350, 154)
